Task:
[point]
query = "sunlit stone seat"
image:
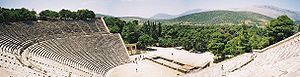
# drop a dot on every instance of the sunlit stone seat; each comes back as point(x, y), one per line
point(62, 48)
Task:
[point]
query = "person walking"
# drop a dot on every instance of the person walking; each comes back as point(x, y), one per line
point(136, 70)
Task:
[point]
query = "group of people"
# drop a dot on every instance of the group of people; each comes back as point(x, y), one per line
point(136, 59)
point(139, 58)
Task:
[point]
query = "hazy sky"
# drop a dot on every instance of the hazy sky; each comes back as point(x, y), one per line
point(144, 8)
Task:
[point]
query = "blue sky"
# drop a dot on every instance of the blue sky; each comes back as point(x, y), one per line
point(144, 8)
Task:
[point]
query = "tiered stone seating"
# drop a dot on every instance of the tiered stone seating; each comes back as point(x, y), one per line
point(71, 27)
point(59, 48)
point(84, 27)
point(87, 51)
point(228, 66)
point(101, 26)
point(38, 31)
point(9, 64)
point(93, 26)
point(270, 59)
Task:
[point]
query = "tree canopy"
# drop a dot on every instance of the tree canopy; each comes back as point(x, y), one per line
point(224, 41)
point(66, 14)
point(48, 14)
point(280, 28)
point(14, 15)
point(85, 14)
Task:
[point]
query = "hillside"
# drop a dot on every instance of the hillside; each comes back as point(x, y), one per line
point(102, 15)
point(168, 16)
point(271, 11)
point(133, 18)
point(162, 16)
point(220, 17)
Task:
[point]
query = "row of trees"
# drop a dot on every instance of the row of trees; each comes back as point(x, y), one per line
point(231, 40)
point(83, 14)
point(14, 15)
point(223, 41)
point(144, 35)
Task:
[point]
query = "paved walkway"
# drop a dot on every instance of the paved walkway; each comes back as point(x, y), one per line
point(145, 68)
point(183, 56)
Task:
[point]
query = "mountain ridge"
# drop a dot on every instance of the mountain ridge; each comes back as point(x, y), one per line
point(169, 16)
point(162, 16)
point(271, 11)
point(221, 17)
point(217, 17)
point(267, 10)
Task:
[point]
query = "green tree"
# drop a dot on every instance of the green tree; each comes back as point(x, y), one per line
point(130, 32)
point(49, 14)
point(170, 31)
point(166, 42)
point(169, 36)
point(217, 45)
point(189, 39)
point(85, 14)
point(280, 28)
point(236, 46)
point(73, 15)
point(201, 41)
point(6, 15)
point(258, 42)
point(13, 15)
point(24, 14)
point(298, 27)
point(2, 18)
point(115, 25)
point(152, 29)
point(145, 40)
point(65, 14)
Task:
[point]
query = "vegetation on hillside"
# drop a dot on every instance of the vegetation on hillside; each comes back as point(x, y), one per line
point(223, 41)
point(221, 18)
point(280, 28)
point(143, 35)
point(298, 27)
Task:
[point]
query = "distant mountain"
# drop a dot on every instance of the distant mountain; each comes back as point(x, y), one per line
point(131, 18)
point(271, 11)
point(168, 16)
point(248, 15)
point(191, 12)
point(267, 10)
point(162, 16)
point(220, 17)
point(101, 15)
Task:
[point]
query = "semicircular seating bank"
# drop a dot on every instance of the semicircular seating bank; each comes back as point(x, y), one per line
point(52, 48)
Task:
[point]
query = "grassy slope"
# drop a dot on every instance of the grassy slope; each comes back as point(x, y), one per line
point(212, 17)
